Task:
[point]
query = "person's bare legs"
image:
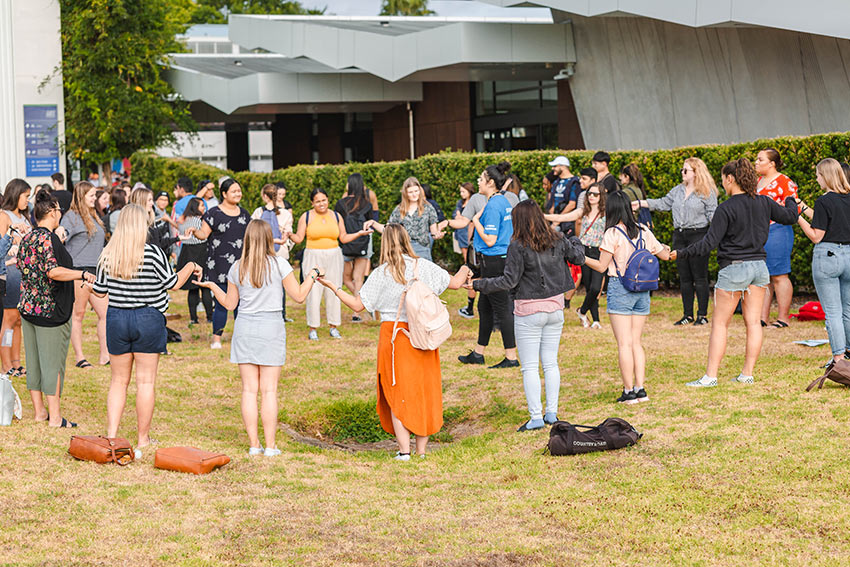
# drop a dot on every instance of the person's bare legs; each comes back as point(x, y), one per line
point(121, 368)
point(725, 303)
point(10, 317)
point(100, 304)
point(250, 374)
point(38, 405)
point(752, 302)
point(402, 436)
point(638, 354)
point(359, 273)
point(146, 365)
point(269, 377)
point(81, 302)
point(17, 339)
point(421, 444)
point(622, 327)
point(348, 276)
point(783, 290)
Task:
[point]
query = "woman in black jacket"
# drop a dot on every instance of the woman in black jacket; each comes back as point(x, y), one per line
point(537, 275)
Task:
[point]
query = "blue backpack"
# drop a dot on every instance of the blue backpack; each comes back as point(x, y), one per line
point(642, 268)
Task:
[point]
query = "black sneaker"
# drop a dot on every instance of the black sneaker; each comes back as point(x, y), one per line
point(356, 319)
point(686, 320)
point(466, 313)
point(472, 358)
point(641, 396)
point(627, 398)
point(701, 321)
point(506, 363)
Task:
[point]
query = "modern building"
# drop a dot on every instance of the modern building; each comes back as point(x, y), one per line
point(31, 107)
point(613, 74)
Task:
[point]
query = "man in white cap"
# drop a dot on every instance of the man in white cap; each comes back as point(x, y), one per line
point(565, 187)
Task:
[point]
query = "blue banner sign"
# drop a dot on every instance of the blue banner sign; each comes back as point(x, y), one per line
point(41, 139)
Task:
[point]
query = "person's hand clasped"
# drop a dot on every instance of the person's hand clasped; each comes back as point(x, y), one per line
point(673, 255)
point(328, 284)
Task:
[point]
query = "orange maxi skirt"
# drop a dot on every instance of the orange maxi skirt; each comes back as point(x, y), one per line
point(416, 399)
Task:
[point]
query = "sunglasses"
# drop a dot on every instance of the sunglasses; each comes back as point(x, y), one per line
point(684, 171)
point(593, 193)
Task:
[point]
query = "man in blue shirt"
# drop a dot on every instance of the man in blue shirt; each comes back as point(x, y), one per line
point(565, 188)
point(204, 188)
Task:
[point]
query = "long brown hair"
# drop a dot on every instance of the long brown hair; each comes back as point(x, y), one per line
point(602, 196)
point(395, 244)
point(12, 194)
point(257, 253)
point(405, 202)
point(89, 215)
point(744, 174)
point(530, 228)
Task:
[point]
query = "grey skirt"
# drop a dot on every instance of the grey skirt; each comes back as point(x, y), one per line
point(259, 338)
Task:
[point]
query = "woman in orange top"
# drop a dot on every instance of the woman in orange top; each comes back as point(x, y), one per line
point(780, 240)
point(324, 231)
point(410, 396)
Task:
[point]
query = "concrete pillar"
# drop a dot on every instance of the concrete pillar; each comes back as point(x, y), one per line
point(237, 147)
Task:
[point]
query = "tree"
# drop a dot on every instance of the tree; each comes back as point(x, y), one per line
point(213, 11)
point(114, 53)
point(405, 8)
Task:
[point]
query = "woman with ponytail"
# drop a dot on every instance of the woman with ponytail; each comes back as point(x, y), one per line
point(739, 231)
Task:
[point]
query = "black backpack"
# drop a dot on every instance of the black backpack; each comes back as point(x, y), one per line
point(613, 433)
point(353, 221)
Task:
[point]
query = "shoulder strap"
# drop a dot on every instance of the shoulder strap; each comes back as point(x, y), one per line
point(307, 219)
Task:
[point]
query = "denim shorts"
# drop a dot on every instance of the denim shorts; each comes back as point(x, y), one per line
point(780, 243)
point(738, 276)
point(135, 330)
point(624, 302)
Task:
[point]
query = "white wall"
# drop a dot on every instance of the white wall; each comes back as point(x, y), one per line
point(30, 49)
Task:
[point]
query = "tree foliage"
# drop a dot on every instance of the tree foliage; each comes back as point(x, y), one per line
point(114, 53)
point(213, 11)
point(405, 8)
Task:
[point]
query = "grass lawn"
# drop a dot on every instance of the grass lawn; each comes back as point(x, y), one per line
point(735, 475)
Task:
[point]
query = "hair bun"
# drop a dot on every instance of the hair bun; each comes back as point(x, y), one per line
point(43, 196)
point(504, 167)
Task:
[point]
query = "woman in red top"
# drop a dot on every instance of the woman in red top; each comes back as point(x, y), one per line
point(780, 240)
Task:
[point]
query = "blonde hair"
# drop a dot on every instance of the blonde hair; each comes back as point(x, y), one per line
point(833, 176)
point(140, 197)
point(395, 243)
point(703, 181)
point(124, 255)
point(87, 214)
point(405, 201)
point(257, 253)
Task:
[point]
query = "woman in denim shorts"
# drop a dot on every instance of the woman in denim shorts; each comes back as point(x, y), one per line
point(627, 310)
point(137, 277)
point(739, 231)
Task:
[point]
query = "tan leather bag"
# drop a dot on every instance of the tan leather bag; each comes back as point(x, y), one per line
point(189, 460)
point(101, 449)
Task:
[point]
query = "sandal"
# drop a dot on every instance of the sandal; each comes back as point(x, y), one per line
point(779, 324)
point(764, 324)
point(83, 364)
point(13, 372)
point(67, 424)
point(21, 371)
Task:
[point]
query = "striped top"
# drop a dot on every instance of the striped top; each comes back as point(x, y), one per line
point(148, 289)
point(191, 222)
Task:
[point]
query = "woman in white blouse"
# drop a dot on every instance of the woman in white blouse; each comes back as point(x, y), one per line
point(410, 395)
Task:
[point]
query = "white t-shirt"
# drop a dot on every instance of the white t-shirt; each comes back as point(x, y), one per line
point(268, 298)
point(382, 293)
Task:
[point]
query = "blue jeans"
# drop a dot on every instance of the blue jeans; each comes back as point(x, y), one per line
point(831, 274)
point(421, 251)
point(219, 317)
point(537, 339)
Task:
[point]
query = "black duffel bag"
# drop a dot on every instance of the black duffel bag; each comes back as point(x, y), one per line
point(613, 433)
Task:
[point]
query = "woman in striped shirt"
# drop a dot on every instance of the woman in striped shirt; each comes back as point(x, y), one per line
point(137, 277)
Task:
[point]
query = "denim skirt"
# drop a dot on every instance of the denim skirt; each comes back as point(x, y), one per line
point(259, 338)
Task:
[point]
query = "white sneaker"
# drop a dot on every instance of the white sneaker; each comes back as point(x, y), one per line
point(704, 382)
point(271, 452)
point(596, 325)
point(585, 322)
point(215, 346)
point(743, 379)
point(335, 333)
point(400, 457)
point(313, 335)
point(137, 454)
point(254, 451)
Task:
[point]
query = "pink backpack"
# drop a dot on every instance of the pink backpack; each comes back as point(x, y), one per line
point(427, 316)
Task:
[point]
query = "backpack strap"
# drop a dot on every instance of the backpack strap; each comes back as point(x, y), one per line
point(821, 379)
point(635, 246)
point(396, 330)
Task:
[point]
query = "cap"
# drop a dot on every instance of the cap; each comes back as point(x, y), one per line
point(161, 194)
point(560, 160)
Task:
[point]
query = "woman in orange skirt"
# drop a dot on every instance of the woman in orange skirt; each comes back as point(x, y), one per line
point(410, 395)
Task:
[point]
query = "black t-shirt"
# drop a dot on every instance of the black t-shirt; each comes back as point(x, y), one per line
point(64, 198)
point(31, 254)
point(832, 214)
point(610, 183)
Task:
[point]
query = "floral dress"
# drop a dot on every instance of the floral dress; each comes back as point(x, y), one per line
point(225, 242)
point(44, 302)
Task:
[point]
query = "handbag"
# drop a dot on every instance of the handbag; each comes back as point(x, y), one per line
point(10, 403)
point(836, 371)
point(188, 460)
point(101, 449)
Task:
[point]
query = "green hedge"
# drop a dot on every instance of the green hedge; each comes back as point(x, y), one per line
point(446, 170)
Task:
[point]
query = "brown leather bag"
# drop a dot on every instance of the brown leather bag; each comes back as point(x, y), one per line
point(835, 371)
point(189, 460)
point(101, 449)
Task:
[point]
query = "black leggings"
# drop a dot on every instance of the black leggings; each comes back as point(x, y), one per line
point(693, 272)
point(592, 281)
point(196, 296)
point(496, 304)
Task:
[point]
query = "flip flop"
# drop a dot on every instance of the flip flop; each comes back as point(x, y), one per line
point(21, 371)
point(83, 364)
point(67, 424)
point(779, 324)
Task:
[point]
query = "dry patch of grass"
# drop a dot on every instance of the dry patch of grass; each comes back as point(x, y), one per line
point(729, 476)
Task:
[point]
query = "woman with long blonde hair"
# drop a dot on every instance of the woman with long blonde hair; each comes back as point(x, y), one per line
point(256, 283)
point(410, 397)
point(417, 216)
point(693, 203)
point(137, 276)
point(830, 231)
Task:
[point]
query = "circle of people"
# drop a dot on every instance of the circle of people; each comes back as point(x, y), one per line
point(524, 262)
